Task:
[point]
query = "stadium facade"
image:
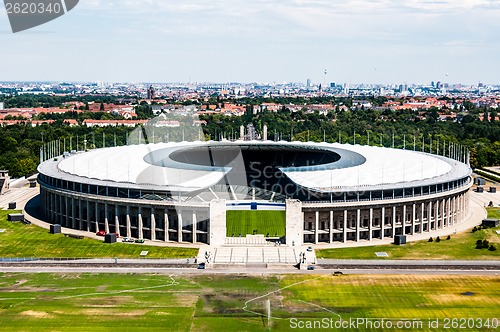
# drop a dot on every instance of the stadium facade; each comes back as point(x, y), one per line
point(179, 192)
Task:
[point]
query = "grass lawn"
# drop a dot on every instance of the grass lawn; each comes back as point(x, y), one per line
point(493, 213)
point(19, 240)
point(461, 246)
point(103, 302)
point(265, 222)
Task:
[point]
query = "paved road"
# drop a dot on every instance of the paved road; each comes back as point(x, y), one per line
point(249, 272)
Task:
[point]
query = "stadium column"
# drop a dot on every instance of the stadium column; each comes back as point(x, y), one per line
point(358, 221)
point(331, 227)
point(393, 221)
point(422, 214)
point(67, 216)
point(467, 202)
point(60, 215)
point(464, 206)
point(117, 219)
point(54, 212)
point(153, 225)
point(429, 217)
point(443, 213)
point(88, 216)
point(165, 227)
point(80, 214)
point(127, 221)
point(106, 220)
point(450, 211)
point(56, 199)
point(403, 221)
point(460, 208)
point(73, 213)
point(370, 225)
point(316, 227)
point(194, 226)
point(345, 227)
point(455, 209)
point(64, 215)
point(414, 218)
point(139, 226)
point(57, 210)
point(382, 223)
point(438, 217)
point(96, 217)
point(179, 226)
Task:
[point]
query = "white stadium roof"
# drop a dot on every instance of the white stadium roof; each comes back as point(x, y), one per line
point(383, 168)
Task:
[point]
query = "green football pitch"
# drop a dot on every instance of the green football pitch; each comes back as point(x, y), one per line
point(270, 223)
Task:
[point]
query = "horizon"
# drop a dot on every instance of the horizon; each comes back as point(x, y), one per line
point(76, 82)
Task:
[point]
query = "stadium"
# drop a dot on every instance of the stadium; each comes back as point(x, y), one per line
point(202, 192)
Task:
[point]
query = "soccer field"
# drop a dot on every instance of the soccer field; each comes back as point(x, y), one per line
point(270, 223)
point(132, 302)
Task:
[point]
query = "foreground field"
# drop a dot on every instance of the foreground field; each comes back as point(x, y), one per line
point(100, 302)
point(493, 213)
point(264, 222)
point(19, 240)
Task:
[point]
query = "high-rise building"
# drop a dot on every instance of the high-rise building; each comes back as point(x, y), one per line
point(151, 92)
point(308, 83)
point(1, 106)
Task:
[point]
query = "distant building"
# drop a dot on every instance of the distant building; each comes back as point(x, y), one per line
point(151, 92)
point(4, 181)
point(308, 83)
point(2, 106)
point(251, 132)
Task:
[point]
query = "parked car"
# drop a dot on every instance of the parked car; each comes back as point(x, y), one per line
point(139, 241)
point(309, 248)
point(310, 267)
point(201, 266)
point(127, 239)
point(101, 233)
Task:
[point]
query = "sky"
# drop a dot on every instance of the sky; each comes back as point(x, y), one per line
point(265, 41)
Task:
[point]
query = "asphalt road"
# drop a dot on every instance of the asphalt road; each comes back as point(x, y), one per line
point(229, 271)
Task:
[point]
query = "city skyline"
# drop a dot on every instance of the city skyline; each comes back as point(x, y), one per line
point(377, 42)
